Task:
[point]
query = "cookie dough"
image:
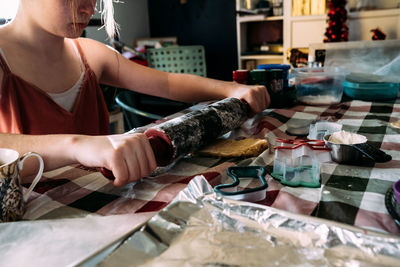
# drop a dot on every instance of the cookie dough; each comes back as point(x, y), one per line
point(396, 124)
point(228, 148)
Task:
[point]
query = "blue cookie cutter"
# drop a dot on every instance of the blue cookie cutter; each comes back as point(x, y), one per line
point(250, 194)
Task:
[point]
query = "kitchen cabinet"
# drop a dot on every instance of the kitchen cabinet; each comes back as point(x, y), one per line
point(299, 31)
point(259, 38)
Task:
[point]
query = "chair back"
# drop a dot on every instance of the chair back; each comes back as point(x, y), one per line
point(173, 59)
point(133, 117)
point(136, 107)
point(178, 59)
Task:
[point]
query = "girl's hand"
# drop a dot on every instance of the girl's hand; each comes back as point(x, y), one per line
point(255, 95)
point(128, 156)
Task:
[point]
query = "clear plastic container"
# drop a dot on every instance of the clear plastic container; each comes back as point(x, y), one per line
point(319, 86)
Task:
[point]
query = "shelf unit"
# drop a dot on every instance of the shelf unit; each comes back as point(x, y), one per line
point(301, 31)
point(247, 23)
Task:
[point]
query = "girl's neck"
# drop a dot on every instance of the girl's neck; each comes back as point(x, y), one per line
point(30, 36)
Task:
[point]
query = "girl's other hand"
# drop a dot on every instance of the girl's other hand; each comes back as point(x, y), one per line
point(255, 95)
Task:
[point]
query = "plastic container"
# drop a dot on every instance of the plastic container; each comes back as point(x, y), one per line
point(274, 80)
point(283, 67)
point(258, 77)
point(396, 190)
point(277, 84)
point(321, 128)
point(392, 202)
point(319, 86)
point(371, 90)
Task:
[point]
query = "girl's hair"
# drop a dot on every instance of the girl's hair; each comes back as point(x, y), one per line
point(107, 15)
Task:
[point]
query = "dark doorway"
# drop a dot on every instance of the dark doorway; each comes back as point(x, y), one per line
point(211, 23)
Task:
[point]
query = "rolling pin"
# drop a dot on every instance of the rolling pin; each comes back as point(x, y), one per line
point(187, 133)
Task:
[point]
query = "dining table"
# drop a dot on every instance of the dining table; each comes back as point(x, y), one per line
point(75, 212)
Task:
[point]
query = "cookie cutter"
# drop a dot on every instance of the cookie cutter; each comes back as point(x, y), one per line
point(298, 127)
point(321, 128)
point(297, 162)
point(249, 194)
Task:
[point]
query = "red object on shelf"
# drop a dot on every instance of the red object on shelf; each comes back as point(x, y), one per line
point(378, 34)
point(337, 30)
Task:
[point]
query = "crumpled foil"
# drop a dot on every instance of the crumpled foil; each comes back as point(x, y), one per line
point(200, 228)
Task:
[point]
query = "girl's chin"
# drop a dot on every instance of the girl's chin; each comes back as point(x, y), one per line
point(74, 34)
point(75, 30)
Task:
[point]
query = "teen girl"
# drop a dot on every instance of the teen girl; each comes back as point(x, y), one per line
point(51, 102)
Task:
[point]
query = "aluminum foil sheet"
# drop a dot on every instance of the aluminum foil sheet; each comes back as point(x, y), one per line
point(200, 228)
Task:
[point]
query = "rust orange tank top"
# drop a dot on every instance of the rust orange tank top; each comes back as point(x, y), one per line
point(26, 109)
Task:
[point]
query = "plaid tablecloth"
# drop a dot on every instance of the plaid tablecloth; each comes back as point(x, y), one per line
point(353, 195)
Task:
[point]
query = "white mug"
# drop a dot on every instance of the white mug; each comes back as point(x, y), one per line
point(12, 200)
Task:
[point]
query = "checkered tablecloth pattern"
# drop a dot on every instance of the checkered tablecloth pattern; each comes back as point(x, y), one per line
point(353, 195)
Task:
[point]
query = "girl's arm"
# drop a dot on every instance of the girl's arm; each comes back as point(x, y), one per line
point(124, 73)
point(129, 157)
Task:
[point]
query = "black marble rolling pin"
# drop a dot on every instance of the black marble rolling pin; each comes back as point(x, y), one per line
point(187, 133)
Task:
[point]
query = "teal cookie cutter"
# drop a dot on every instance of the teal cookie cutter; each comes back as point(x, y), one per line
point(249, 194)
point(298, 162)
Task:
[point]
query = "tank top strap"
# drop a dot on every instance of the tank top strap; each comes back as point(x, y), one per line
point(3, 63)
point(83, 58)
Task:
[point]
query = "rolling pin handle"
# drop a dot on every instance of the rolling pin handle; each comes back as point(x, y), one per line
point(247, 108)
point(162, 152)
point(107, 173)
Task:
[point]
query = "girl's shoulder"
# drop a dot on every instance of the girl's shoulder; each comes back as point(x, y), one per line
point(97, 54)
point(93, 48)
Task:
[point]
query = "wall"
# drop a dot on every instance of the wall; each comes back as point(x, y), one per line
point(368, 4)
point(132, 16)
point(211, 23)
point(305, 30)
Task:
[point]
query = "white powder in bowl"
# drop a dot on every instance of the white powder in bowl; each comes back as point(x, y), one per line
point(347, 138)
point(319, 99)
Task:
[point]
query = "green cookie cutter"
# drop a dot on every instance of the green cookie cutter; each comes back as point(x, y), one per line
point(249, 194)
